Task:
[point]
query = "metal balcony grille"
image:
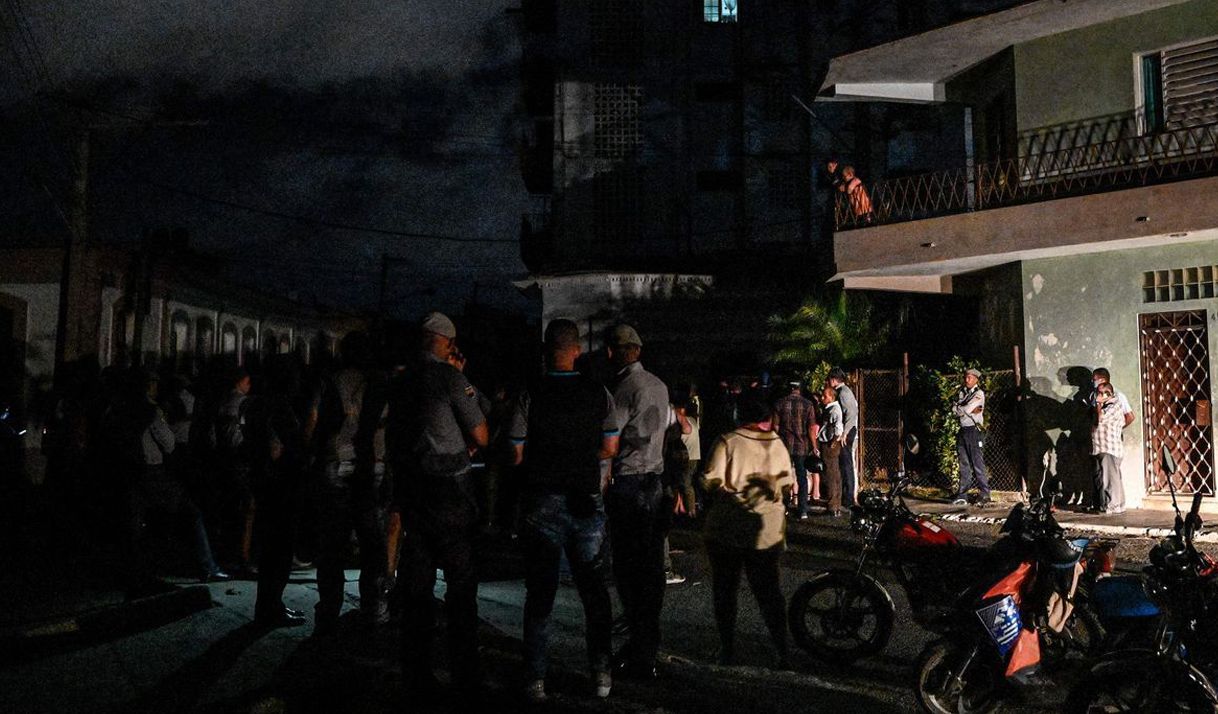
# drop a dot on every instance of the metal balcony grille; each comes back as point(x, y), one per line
point(1088, 157)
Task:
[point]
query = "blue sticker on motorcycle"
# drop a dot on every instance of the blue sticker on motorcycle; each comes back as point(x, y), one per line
point(1003, 622)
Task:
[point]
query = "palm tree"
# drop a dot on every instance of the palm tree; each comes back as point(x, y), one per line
point(827, 330)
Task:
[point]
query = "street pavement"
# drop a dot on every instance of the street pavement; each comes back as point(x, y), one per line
point(216, 661)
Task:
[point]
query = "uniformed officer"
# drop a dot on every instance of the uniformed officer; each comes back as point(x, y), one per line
point(969, 408)
point(639, 506)
point(435, 425)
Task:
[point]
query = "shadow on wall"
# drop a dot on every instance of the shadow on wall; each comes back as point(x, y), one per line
point(1058, 432)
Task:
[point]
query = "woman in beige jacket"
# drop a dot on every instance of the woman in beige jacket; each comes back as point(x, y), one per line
point(746, 476)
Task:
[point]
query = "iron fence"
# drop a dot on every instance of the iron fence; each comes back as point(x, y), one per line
point(880, 393)
point(1055, 162)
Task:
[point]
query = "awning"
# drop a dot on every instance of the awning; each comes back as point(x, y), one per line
point(916, 69)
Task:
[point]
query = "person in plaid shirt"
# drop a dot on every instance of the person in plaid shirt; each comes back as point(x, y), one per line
point(795, 422)
point(1107, 449)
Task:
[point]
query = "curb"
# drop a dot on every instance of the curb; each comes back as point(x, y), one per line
point(103, 623)
point(1100, 528)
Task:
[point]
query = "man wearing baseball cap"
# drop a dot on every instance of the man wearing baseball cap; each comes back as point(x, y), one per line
point(969, 408)
point(639, 510)
point(435, 425)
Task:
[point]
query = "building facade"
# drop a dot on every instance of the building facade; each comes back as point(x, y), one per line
point(168, 311)
point(1082, 217)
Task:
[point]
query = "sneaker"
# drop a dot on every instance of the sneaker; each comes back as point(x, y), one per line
point(803, 516)
point(1115, 511)
point(603, 682)
point(535, 692)
point(674, 578)
point(960, 501)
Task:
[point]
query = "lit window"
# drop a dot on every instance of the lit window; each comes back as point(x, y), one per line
point(719, 10)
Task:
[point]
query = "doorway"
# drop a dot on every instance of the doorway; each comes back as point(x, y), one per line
point(1176, 400)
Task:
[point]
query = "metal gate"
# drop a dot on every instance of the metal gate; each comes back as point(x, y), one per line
point(880, 394)
point(1176, 400)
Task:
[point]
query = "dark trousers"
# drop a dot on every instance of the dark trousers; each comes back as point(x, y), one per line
point(972, 465)
point(157, 490)
point(347, 502)
point(274, 531)
point(550, 529)
point(801, 482)
point(439, 533)
point(761, 569)
point(639, 517)
point(846, 464)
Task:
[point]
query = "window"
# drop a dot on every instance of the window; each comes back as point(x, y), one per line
point(783, 187)
point(616, 121)
point(716, 91)
point(776, 102)
point(719, 10)
point(1180, 87)
point(1197, 283)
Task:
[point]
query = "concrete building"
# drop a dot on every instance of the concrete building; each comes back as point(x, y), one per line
point(1082, 215)
point(167, 309)
point(664, 142)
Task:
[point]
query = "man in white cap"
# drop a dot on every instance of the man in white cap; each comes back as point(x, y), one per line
point(640, 511)
point(969, 408)
point(437, 427)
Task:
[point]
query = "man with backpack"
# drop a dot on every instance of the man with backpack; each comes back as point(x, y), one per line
point(350, 408)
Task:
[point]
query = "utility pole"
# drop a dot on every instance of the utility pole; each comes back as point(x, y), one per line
point(76, 331)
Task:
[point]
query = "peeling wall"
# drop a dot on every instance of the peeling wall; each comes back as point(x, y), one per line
point(1081, 312)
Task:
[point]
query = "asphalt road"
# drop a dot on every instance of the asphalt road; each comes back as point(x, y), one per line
point(214, 661)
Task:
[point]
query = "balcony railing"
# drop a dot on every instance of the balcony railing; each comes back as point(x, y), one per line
point(1088, 157)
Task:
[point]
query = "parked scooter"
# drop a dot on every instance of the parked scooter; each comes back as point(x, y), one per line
point(843, 614)
point(1180, 593)
point(1018, 619)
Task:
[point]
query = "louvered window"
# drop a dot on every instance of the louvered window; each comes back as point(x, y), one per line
point(1180, 86)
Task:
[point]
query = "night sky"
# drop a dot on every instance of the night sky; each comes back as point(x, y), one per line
point(252, 124)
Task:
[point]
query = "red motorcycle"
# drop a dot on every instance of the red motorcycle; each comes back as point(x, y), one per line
point(841, 615)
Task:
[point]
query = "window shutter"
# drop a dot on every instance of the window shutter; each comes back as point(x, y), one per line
point(1190, 85)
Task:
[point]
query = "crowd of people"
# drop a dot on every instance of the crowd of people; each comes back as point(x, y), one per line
point(399, 457)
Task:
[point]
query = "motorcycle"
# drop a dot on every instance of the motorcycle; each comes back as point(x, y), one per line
point(1180, 590)
point(843, 614)
point(1027, 617)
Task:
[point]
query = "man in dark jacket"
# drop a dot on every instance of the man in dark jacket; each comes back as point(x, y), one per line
point(562, 429)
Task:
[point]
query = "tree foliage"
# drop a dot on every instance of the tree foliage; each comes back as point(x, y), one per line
point(829, 330)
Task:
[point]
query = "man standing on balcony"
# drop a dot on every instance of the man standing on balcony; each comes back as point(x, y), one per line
point(969, 408)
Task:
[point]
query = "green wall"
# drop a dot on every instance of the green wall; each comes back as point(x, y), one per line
point(1082, 312)
point(1089, 72)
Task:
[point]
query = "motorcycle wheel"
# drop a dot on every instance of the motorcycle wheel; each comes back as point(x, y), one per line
point(840, 617)
point(1136, 691)
point(943, 688)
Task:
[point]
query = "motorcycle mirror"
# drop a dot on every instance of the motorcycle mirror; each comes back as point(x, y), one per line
point(911, 444)
point(1169, 463)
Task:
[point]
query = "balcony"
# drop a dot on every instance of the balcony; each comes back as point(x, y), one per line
point(1093, 156)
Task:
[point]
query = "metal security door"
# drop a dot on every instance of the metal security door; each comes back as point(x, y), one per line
point(1176, 400)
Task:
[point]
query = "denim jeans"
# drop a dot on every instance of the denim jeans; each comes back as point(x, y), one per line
point(846, 462)
point(552, 527)
point(801, 480)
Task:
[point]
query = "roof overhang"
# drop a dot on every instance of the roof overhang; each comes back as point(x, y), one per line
point(917, 68)
point(936, 276)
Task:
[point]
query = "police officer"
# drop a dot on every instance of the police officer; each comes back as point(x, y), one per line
point(639, 505)
point(969, 408)
point(435, 425)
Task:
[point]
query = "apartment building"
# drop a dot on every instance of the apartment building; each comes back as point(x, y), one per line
point(1082, 213)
